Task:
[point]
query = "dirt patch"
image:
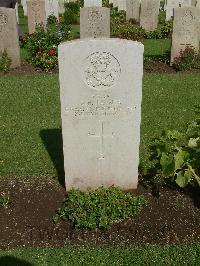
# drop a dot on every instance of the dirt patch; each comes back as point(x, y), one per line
point(171, 218)
point(158, 67)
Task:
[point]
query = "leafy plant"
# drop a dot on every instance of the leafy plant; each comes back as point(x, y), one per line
point(51, 20)
point(188, 59)
point(128, 31)
point(42, 45)
point(4, 200)
point(5, 62)
point(164, 31)
point(178, 155)
point(99, 208)
point(71, 14)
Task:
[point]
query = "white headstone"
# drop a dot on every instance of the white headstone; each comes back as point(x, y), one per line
point(61, 7)
point(51, 8)
point(198, 4)
point(171, 4)
point(17, 13)
point(95, 22)
point(149, 14)
point(185, 30)
point(90, 3)
point(122, 5)
point(9, 35)
point(24, 4)
point(101, 93)
point(133, 10)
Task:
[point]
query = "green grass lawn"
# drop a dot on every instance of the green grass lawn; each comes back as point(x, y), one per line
point(104, 255)
point(30, 119)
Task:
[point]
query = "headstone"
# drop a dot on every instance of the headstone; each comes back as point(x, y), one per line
point(9, 35)
point(122, 5)
point(149, 14)
point(90, 3)
point(24, 4)
point(133, 10)
point(101, 112)
point(51, 8)
point(94, 22)
point(115, 3)
point(185, 30)
point(198, 4)
point(36, 14)
point(17, 13)
point(171, 4)
point(61, 7)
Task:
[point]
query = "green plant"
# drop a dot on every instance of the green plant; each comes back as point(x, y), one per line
point(188, 59)
point(71, 14)
point(178, 154)
point(127, 31)
point(5, 62)
point(99, 208)
point(4, 200)
point(42, 45)
point(51, 20)
point(164, 31)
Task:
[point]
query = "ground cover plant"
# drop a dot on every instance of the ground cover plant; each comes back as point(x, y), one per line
point(99, 208)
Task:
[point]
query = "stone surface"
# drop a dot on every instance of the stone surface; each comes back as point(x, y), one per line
point(171, 4)
point(36, 14)
point(9, 35)
point(185, 28)
point(121, 5)
point(94, 22)
point(149, 14)
point(89, 3)
point(24, 4)
point(51, 8)
point(101, 92)
point(17, 13)
point(198, 4)
point(61, 7)
point(133, 10)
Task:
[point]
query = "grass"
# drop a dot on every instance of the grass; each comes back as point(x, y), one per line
point(30, 119)
point(104, 255)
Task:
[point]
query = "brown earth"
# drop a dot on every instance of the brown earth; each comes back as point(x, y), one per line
point(173, 217)
point(149, 67)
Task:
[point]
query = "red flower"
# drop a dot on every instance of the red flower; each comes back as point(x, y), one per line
point(52, 52)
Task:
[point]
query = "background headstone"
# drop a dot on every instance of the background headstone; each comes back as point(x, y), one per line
point(149, 14)
point(36, 14)
point(94, 22)
point(122, 5)
point(9, 35)
point(133, 10)
point(198, 4)
point(171, 4)
point(51, 8)
point(101, 92)
point(185, 30)
point(17, 13)
point(24, 4)
point(89, 3)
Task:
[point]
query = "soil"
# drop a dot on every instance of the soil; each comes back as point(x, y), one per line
point(173, 217)
point(149, 67)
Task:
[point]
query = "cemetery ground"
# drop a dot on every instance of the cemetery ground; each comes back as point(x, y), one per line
point(32, 176)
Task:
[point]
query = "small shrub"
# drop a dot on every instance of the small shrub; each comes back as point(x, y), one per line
point(188, 59)
point(4, 200)
point(177, 155)
point(164, 31)
point(100, 208)
point(51, 20)
point(42, 45)
point(5, 62)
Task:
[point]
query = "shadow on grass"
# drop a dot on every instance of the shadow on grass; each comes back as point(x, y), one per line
point(52, 139)
point(12, 261)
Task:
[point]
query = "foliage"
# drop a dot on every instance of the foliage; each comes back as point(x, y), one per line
point(100, 208)
point(127, 31)
point(188, 59)
point(131, 31)
point(42, 45)
point(164, 31)
point(178, 154)
point(51, 20)
point(5, 62)
point(4, 200)
point(71, 14)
